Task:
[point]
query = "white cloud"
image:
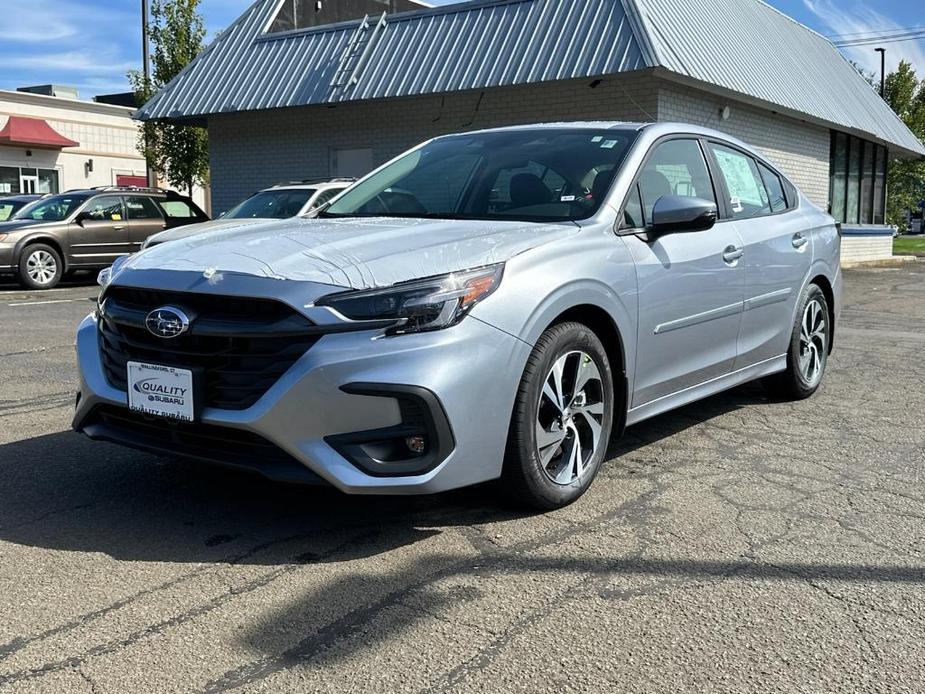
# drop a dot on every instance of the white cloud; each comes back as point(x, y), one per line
point(859, 18)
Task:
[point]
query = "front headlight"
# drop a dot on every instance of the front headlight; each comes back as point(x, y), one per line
point(429, 304)
point(104, 279)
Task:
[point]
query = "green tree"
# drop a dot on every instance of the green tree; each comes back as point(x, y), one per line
point(178, 153)
point(906, 181)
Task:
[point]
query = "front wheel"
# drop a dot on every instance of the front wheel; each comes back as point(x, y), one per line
point(809, 349)
point(40, 267)
point(562, 420)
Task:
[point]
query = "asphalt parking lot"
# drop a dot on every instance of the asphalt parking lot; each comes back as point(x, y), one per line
point(736, 545)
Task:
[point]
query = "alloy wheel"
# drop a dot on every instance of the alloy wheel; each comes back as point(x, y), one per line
point(570, 417)
point(813, 342)
point(42, 267)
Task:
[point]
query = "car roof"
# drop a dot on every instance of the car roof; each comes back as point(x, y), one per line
point(321, 184)
point(126, 190)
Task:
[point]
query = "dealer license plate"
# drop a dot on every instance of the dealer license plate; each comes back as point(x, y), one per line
point(161, 390)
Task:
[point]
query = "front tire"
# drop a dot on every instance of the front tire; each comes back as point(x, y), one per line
point(40, 267)
point(562, 420)
point(808, 354)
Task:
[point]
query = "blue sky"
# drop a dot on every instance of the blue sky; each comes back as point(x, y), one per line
point(91, 44)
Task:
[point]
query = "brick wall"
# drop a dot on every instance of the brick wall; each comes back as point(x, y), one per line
point(862, 249)
point(250, 151)
point(800, 150)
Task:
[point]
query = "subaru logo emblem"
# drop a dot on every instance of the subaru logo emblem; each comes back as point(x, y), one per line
point(167, 322)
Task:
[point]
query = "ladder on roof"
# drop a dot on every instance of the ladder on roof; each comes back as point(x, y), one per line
point(356, 54)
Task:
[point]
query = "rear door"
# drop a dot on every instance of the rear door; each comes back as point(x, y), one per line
point(101, 235)
point(144, 219)
point(778, 252)
point(691, 284)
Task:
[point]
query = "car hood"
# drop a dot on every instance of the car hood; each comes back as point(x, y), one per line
point(356, 253)
point(10, 226)
point(193, 229)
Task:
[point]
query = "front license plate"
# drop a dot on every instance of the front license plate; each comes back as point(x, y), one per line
point(161, 390)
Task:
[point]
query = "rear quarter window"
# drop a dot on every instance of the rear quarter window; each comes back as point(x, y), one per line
point(178, 209)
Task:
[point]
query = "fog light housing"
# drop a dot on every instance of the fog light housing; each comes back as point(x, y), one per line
point(420, 443)
point(416, 444)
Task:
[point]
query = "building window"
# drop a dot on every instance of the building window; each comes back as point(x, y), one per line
point(305, 14)
point(857, 181)
point(19, 181)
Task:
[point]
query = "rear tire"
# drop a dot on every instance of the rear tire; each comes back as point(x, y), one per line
point(40, 267)
point(809, 349)
point(562, 420)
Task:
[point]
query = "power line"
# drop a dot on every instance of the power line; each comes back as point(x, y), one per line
point(872, 32)
point(891, 37)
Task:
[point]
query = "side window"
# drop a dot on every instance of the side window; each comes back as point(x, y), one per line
point(775, 188)
point(177, 209)
point(105, 209)
point(675, 167)
point(632, 213)
point(747, 194)
point(140, 207)
point(325, 196)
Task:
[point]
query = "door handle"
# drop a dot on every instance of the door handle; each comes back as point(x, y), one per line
point(118, 228)
point(732, 254)
point(799, 241)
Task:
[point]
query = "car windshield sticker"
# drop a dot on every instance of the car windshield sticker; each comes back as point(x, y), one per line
point(567, 198)
point(597, 138)
point(609, 144)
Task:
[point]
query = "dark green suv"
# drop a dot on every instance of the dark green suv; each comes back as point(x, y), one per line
point(86, 230)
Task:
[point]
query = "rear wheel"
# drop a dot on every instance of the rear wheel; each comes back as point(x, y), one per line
point(562, 419)
point(40, 267)
point(809, 349)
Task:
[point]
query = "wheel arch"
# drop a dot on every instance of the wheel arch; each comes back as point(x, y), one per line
point(825, 285)
point(44, 239)
point(602, 324)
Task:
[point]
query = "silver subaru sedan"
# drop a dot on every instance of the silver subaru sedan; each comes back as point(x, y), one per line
point(496, 305)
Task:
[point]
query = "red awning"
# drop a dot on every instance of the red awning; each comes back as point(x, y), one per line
point(20, 131)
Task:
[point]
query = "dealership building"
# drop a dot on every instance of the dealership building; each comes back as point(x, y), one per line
point(288, 95)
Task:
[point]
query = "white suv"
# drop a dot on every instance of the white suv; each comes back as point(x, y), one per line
point(282, 201)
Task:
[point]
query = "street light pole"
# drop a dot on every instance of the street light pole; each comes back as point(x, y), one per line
point(146, 70)
point(882, 52)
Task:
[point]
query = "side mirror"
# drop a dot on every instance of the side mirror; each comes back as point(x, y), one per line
point(675, 214)
point(81, 218)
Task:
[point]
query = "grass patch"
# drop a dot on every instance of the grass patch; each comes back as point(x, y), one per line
point(909, 245)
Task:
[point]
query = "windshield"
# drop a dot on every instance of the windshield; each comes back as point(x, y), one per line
point(272, 204)
point(543, 174)
point(54, 209)
point(8, 208)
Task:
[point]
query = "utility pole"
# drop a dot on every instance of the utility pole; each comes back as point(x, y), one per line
point(146, 69)
point(882, 52)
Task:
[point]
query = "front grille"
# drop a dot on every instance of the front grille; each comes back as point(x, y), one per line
point(208, 442)
point(239, 346)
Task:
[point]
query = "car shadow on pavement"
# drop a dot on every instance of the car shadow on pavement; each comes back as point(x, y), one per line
point(64, 492)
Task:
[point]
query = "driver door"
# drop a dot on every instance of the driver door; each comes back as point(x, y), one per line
point(691, 284)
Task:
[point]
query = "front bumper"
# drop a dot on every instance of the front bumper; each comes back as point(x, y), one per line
point(6, 257)
point(306, 427)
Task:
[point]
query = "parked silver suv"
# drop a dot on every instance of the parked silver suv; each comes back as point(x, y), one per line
point(282, 201)
point(489, 305)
